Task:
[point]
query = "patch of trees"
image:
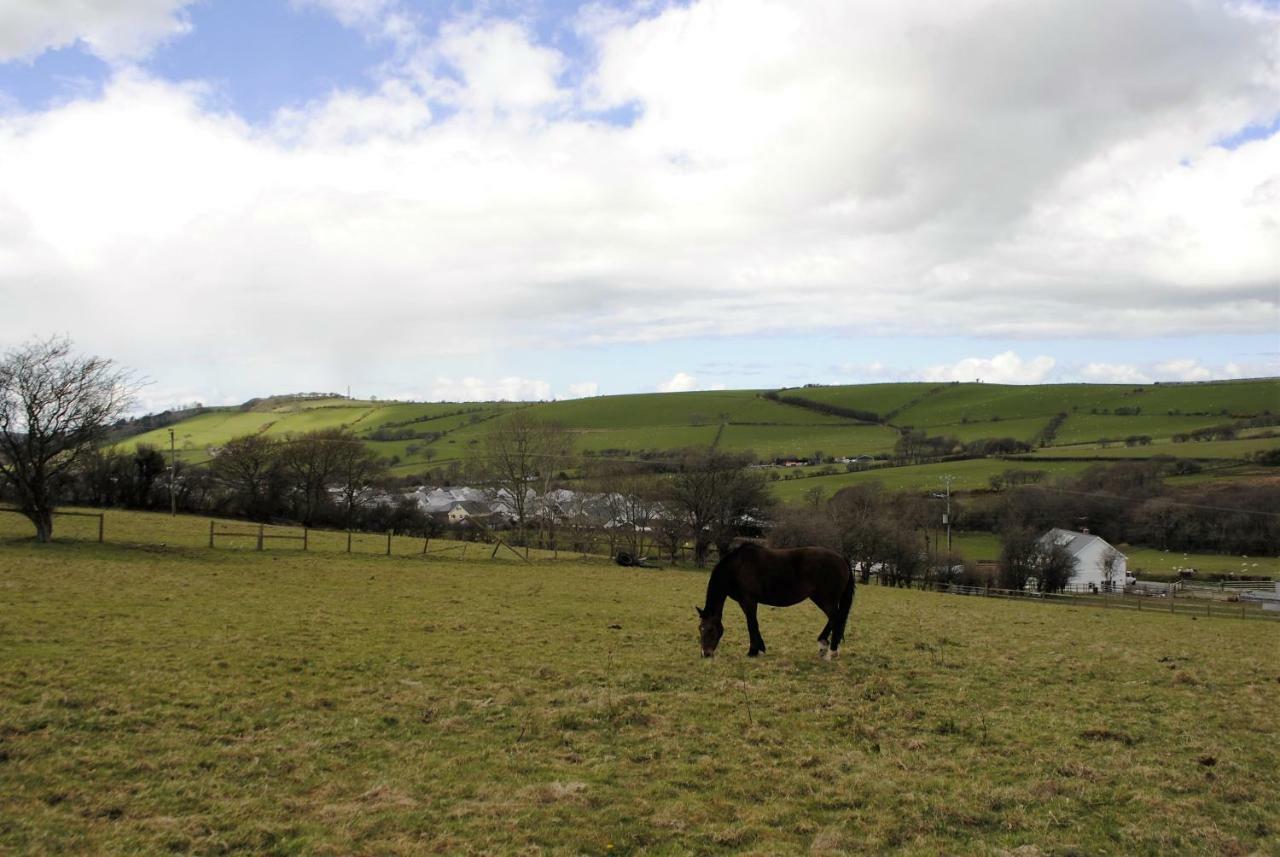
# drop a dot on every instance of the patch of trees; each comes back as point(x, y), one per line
point(823, 407)
point(1046, 435)
point(388, 433)
point(717, 495)
point(988, 446)
point(915, 445)
point(893, 535)
point(1014, 477)
point(1024, 559)
point(1130, 502)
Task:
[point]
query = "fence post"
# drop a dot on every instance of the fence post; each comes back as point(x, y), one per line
point(211, 534)
point(388, 542)
point(101, 518)
point(304, 539)
point(425, 542)
point(348, 541)
point(260, 528)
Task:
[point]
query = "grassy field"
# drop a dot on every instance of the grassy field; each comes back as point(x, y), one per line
point(187, 700)
point(970, 474)
point(1206, 450)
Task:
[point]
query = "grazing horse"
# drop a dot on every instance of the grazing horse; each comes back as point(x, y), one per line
point(753, 575)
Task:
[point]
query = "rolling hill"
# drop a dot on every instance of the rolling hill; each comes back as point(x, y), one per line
point(1066, 422)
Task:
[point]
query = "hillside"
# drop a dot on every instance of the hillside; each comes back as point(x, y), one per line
point(1068, 422)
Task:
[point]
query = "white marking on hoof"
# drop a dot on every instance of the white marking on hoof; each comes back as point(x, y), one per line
point(833, 654)
point(823, 647)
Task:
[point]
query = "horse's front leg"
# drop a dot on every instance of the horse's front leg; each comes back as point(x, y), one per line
point(753, 629)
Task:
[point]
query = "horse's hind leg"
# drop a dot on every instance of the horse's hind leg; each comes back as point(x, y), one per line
point(753, 629)
point(842, 616)
point(823, 644)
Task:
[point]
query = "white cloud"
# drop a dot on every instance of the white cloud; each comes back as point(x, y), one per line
point(879, 169)
point(584, 390)
point(1184, 369)
point(1006, 368)
point(500, 66)
point(681, 382)
point(1114, 373)
point(114, 30)
point(513, 389)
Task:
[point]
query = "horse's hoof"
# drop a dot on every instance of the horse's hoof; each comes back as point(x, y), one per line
point(831, 654)
point(823, 648)
point(753, 653)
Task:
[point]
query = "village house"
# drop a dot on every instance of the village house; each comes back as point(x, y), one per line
point(466, 510)
point(1098, 566)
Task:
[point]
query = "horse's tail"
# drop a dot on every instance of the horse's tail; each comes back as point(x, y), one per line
point(842, 612)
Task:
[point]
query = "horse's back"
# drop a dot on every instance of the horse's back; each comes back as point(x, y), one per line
point(784, 576)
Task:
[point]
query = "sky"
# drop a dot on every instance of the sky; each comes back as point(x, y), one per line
point(429, 199)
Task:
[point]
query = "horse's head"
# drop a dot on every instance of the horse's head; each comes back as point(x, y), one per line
point(710, 630)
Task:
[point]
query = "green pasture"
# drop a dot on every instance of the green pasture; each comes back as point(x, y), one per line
point(1083, 427)
point(676, 409)
point(1206, 450)
point(970, 475)
point(1024, 429)
point(769, 442)
point(183, 700)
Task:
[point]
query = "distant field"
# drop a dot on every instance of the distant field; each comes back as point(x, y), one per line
point(770, 442)
point(1208, 450)
point(969, 475)
point(1085, 427)
point(947, 404)
point(193, 701)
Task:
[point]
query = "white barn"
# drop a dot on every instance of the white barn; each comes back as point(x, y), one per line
point(1090, 554)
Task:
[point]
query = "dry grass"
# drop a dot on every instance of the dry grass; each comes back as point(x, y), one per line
point(191, 701)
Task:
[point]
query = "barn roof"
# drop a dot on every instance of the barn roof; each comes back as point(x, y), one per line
point(1073, 541)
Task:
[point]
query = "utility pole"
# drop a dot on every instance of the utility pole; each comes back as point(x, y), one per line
point(173, 471)
point(946, 518)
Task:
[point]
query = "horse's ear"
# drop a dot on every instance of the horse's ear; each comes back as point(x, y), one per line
point(701, 615)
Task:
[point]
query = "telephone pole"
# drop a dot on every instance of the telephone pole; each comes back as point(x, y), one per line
point(173, 471)
point(946, 517)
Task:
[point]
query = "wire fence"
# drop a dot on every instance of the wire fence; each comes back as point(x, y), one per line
point(1137, 603)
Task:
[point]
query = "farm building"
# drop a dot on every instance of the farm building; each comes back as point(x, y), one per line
point(1099, 566)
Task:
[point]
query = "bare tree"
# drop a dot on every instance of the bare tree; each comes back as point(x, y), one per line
point(1109, 565)
point(312, 463)
point(357, 469)
point(717, 492)
point(250, 466)
point(519, 458)
point(55, 406)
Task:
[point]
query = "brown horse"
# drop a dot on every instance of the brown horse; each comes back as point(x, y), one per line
point(754, 575)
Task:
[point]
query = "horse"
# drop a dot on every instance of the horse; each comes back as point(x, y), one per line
point(754, 575)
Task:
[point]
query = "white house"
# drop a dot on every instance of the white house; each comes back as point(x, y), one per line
point(1092, 556)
